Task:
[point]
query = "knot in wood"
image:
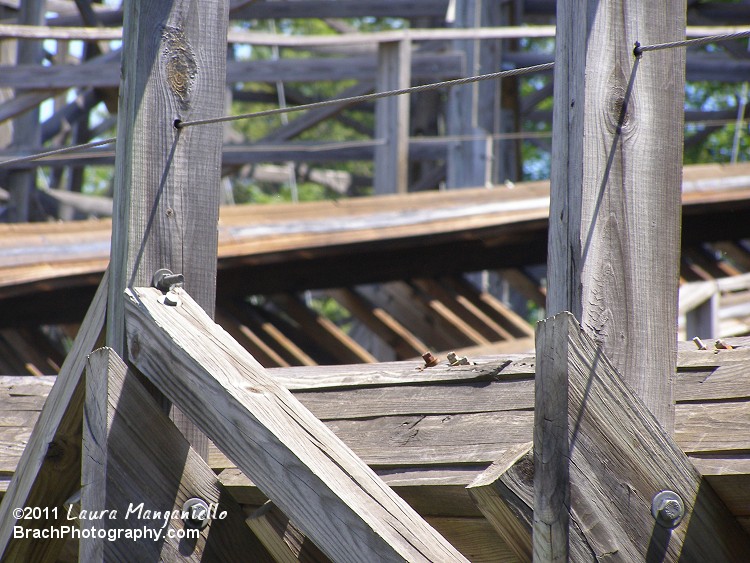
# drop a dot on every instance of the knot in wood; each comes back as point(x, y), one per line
point(179, 64)
point(618, 114)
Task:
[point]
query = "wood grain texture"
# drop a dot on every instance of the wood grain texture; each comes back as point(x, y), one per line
point(505, 495)
point(282, 538)
point(166, 183)
point(601, 456)
point(614, 239)
point(167, 180)
point(316, 480)
point(49, 469)
point(134, 454)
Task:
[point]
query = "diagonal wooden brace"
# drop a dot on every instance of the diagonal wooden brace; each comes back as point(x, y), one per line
point(600, 457)
point(298, 463)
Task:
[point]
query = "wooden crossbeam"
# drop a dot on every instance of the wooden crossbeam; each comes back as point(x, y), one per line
point(403, 342)
point(464, 308)
point(261, 351)
point(332, 496)
point(50, 468)
point(324, 332)
point(600, 457)
point(503, 315)
point(135, 461)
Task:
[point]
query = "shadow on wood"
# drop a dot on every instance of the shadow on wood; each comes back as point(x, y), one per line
point(600, 457)
point(137, 463)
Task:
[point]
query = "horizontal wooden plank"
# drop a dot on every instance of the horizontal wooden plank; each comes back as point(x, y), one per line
point(465, 397)
point(731, 381)
point(430, 491)
point(403, 373)
point(424, 66)
point(63, 33)
point(713, 427)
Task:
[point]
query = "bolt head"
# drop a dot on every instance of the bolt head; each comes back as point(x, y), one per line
point(429, 360)
point(196, 513)
point(171, 299)
point(667, 509)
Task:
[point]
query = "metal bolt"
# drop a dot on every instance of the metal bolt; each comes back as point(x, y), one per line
point(195, 513)
point(454, 360)
point(667, 509)
point(699, 343)
point(164, 280)
point(429, 360)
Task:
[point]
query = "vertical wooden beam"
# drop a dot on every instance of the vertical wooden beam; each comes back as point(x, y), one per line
point(26, 129)
point(166, 203)
point(614, 238)
point(392, 118)
point(469, 162)
point(703, 320)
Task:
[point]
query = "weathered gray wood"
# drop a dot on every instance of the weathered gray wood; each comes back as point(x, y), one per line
point(166, 205)
point(282, 538)
point(600, 456)
point(505, 495)
point(731, 381)
point(303, 468)
point(134, 454)
point(392, 118)
point(469, 157)
point(614, 239)
point(49, 469)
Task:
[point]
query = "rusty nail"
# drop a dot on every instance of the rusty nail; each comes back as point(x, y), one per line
point(721, 345)
point(429, 360)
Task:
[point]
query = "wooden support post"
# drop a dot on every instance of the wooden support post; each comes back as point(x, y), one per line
point(137, 463)
point(600, 457)
point(334, 498)
point(167, 194)
point(472, 109)
point(392, 118)
point(26, 129)
point(614, 239)
point(50, 467)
